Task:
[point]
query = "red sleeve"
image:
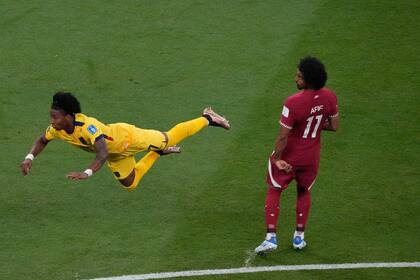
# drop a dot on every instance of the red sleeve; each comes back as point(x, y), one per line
point(287, 118)
point(334, 106)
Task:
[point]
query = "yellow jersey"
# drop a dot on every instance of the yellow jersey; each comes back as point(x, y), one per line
point(122, 139)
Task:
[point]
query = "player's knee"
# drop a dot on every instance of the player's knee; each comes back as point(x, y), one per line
point(129, 183)
point(129, 188)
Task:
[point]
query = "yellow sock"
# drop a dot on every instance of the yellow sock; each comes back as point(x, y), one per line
point(142, 166)
point(186, 129)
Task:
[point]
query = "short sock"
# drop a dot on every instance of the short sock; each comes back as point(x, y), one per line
point(270, 236)
point(299, 233)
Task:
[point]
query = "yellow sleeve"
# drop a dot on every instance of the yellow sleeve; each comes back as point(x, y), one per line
point(92, 132)
point(50, 133)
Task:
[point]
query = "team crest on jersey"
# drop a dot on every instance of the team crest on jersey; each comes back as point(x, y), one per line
point(92, 129)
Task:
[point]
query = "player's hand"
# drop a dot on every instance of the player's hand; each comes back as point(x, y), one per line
point(25, 166)
point(282, 165)
point(77, 175)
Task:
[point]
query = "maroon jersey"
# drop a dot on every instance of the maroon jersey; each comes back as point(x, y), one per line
point(304, 113)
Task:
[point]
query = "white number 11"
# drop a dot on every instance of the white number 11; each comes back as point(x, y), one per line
point(308, 126)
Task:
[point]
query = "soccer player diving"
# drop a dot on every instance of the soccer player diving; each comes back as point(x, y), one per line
point(115, 143)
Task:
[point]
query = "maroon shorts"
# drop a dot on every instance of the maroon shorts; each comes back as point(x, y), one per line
point(305, 176)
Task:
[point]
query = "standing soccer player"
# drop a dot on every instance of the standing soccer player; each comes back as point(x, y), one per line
point(297, 148)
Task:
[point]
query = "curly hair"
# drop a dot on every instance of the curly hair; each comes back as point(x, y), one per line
point(313, 72)
point(66, 102)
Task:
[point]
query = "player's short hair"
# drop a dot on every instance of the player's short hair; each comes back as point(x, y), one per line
point(313, 71)
point(66, 102)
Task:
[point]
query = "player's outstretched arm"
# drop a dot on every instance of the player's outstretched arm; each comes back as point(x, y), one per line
point(37, 148)
point(101, 156)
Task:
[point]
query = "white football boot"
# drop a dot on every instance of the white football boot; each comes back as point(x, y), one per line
point(268, 245)
point(299, 241)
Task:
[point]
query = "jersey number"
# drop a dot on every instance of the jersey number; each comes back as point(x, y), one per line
point(308, 126)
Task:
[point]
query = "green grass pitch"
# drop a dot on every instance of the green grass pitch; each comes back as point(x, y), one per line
point(156, 63)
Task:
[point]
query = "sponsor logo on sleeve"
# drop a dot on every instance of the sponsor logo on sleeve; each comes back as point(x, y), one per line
point(285, 111)
point(92, 129)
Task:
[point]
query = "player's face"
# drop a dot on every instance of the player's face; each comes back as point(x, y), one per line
point(59, 120)
point(300, 82)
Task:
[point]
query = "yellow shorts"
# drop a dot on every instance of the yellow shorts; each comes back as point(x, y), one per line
point(146, 140)
point(122, 164)
point(122, 167)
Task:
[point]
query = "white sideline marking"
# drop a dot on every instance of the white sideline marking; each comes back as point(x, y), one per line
point(254, 269)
